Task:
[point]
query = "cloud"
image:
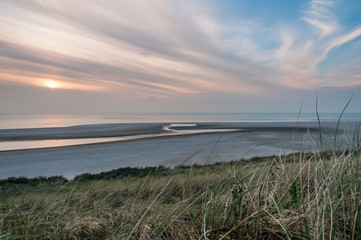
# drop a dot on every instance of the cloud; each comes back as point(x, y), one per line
point(318, 14)
point(148, 47)
point(342, 40)
point(300, 56)
point(161, 49)
point(325, 28)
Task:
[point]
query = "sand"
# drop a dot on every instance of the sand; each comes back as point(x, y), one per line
point(248, 140)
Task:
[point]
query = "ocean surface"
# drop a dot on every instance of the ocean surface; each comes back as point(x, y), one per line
point(69, 145)
point(48, 120)
point(42, 122)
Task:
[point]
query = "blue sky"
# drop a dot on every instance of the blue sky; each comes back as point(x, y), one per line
point(179, 56)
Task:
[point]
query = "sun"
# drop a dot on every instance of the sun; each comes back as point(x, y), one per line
point(52, 84)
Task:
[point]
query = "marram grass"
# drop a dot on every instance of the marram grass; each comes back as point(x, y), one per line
point(298, 196)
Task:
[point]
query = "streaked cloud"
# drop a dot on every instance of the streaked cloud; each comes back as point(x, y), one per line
point(342, 40)
point(319, 15)
point(169, 49)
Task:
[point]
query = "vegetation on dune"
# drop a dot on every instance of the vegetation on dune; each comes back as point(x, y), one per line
point(298, 196)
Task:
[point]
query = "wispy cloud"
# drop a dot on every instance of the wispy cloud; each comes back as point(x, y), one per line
point(144, 44)
point(342, 40)
point(164, 49)
point(299, 57)
point(319, 15)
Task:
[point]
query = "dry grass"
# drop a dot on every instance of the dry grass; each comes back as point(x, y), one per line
point(300, 196)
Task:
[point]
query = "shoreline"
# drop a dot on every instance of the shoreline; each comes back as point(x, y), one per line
point(205, 148)
point(41, 138)
point(144, 171)
point(128, 129)
point(136, 139)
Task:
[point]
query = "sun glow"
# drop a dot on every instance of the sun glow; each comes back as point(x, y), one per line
point(51, 84)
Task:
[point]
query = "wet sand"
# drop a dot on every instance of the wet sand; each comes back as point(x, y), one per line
point(83, 131)
point(250, 139)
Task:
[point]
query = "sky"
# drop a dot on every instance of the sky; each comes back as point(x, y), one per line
point(116, 56)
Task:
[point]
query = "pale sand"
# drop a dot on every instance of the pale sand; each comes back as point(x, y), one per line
point(254, 140)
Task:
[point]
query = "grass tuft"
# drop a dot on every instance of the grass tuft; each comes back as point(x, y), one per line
point(295, 196)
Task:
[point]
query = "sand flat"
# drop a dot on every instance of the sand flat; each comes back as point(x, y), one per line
point(253, 140)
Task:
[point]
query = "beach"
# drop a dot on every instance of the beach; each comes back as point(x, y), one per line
point(154, 144)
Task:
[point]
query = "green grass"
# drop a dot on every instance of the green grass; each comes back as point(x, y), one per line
point(298, 196)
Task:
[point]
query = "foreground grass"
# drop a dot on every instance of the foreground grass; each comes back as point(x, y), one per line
point(298, 196)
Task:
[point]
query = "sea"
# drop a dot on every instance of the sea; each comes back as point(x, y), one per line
point(21, 122)
point(16, 121)
point(71, 157)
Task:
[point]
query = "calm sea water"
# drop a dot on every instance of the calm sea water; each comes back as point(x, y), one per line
point(43, 121)
point(149, 152)
point(46, 121)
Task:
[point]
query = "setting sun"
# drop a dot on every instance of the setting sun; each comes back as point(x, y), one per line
point(52, 84)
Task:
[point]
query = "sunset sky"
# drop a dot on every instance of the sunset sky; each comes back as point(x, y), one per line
point(112, 56)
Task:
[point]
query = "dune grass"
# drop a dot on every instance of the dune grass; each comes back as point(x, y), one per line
point(297, 196)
